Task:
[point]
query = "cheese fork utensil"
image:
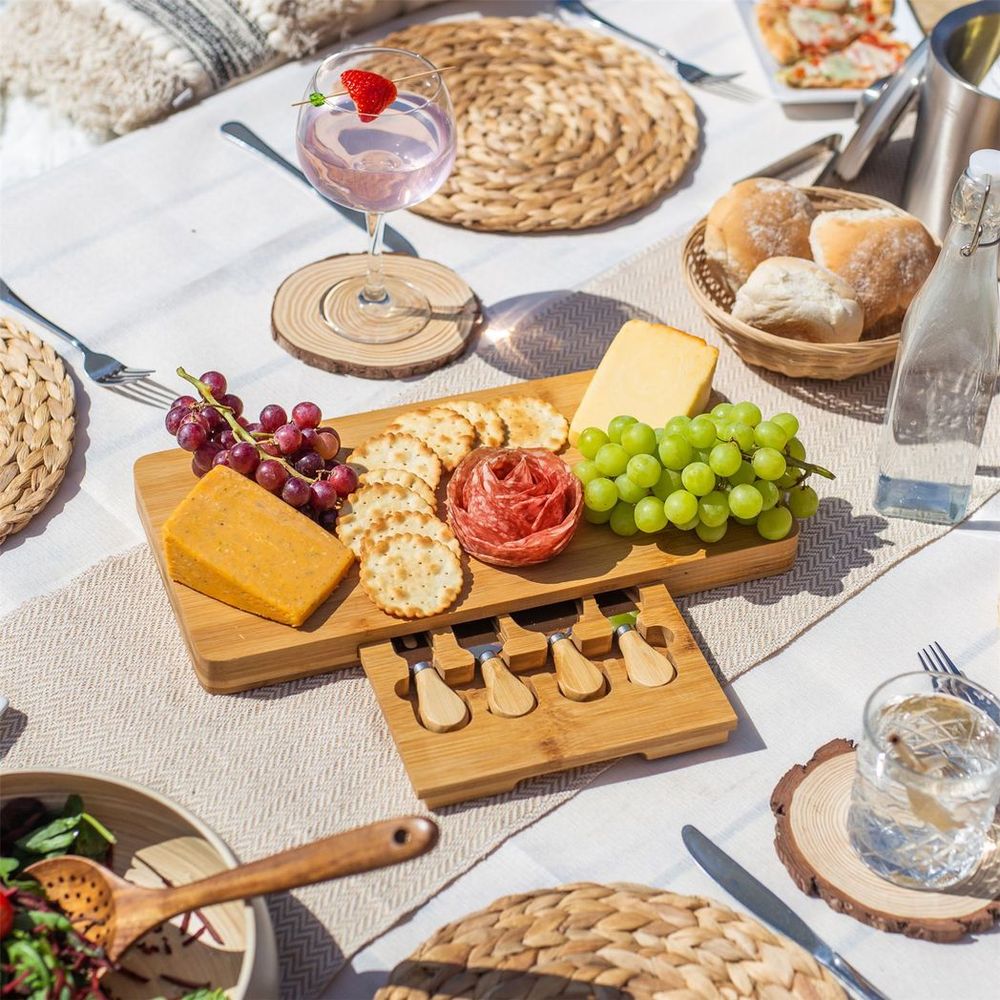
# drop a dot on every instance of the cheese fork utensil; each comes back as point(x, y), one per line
point(645, 665)
point(578, 678)
point(440, 709)
point(107, 910)
point(506, 694)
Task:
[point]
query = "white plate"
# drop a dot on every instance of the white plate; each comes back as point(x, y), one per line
point(906, 28)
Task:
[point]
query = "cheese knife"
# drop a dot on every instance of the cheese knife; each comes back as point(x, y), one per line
point(577, 677)
point(763, 903)
point(440, 709)
point(645, 665)
point(507, 695)
point(243, 136)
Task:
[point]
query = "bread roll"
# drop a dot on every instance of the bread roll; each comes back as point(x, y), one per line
point(797, 298)
point(884, 255)
point(757, 219)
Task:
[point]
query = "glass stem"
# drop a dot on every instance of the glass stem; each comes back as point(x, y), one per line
point(374, 290)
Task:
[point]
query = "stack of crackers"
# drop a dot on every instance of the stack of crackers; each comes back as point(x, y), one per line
point(411, 563)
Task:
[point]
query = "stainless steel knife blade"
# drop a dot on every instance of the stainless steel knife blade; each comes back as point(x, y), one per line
point(244, 136)
point(788, 164)
point(763, 903)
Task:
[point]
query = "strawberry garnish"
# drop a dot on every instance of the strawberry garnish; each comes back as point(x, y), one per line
point(371, 93)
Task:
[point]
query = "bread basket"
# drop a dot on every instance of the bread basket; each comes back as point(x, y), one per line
point(796, 358)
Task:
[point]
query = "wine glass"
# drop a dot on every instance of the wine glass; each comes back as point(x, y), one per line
point(395, 160)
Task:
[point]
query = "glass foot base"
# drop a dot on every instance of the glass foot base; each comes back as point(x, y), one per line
point(403, 312)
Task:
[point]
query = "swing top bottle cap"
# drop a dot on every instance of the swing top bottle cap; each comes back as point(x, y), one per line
point(984, 164)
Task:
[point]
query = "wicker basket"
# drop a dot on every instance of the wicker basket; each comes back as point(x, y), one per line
point(797, 358)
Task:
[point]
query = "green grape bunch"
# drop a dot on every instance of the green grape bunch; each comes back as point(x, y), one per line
point(698, 474)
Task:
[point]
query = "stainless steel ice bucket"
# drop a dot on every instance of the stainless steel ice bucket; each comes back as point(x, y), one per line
point(955, 117)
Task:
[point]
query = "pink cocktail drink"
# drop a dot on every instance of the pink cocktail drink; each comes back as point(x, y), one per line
point(396, 161)
point(368, 146)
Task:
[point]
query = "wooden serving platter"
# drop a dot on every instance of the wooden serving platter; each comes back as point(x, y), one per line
point(557, 734)
point(233, 650)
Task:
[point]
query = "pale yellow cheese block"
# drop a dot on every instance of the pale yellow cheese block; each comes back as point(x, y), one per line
point(651, 372)
point(232, 540)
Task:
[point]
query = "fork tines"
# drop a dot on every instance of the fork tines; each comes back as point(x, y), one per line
point(724, 88)
point(935, 660)
point(141, 389)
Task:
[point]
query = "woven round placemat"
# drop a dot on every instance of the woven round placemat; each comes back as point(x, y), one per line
point(608, 941)
point(36, 425)
point(557, 128)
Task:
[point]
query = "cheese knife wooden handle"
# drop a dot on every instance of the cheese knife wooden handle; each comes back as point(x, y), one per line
point(439, 708)
point(645, 665)
point(506, 695)
point(578, 678)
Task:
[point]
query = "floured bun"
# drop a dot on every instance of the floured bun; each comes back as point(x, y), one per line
point(759, 218)
point(797, 298)
point(883, 255)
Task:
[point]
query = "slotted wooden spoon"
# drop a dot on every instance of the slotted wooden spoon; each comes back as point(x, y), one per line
point(113, 913)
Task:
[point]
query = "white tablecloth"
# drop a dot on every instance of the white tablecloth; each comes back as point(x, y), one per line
point(165, 248)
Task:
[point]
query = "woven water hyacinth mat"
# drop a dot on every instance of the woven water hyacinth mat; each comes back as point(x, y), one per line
point(36, 425)
point(608, 941)
point(557, 128)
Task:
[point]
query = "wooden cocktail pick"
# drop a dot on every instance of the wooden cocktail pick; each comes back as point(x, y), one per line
point(340, 93)
point(113, 913)
point(439, 708)
point(577, 677)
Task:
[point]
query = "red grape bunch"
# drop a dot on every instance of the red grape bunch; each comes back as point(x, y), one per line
point(294, 458)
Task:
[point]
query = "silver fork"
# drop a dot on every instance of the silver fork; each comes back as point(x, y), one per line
point(935, 660)
point(716, 83)
point(132, 383)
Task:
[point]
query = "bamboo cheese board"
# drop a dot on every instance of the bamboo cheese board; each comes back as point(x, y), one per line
point(233, 650)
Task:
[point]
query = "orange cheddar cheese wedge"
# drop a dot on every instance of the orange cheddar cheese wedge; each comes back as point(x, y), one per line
point(232, 540)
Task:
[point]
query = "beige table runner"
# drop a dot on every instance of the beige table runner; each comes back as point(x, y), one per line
point(99, 678)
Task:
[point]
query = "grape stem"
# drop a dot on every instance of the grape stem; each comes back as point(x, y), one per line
point(796, 463)
point(810, 467)
point(239, 432)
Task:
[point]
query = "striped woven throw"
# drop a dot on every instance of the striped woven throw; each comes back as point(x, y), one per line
point(128, 63)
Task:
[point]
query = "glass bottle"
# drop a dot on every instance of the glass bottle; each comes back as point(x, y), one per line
point(946, 366)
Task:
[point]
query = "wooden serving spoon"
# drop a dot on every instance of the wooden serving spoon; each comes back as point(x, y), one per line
point(113, 913)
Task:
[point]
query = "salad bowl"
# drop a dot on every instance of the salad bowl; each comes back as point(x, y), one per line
point(229, 947)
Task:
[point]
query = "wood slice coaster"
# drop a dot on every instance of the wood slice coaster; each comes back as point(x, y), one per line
point(299, 327)
point(619, 940)
point(36, 425)
point(810, 805)
point(557, 128)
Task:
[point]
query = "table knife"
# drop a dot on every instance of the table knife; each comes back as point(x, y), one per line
point(763, 903)
point(644, 664)
point(507, 695)
point(243, 136)
point(788, 164)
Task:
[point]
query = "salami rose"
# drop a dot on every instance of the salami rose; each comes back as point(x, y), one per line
point(513, 506)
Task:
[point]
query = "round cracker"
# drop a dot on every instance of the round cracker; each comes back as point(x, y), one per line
point(368, 502)
point(489, 427)
point(398, 451)
point(408, 480)
point(416, 522)
point(448, 433)
point(411, 576)
point(532, 423)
